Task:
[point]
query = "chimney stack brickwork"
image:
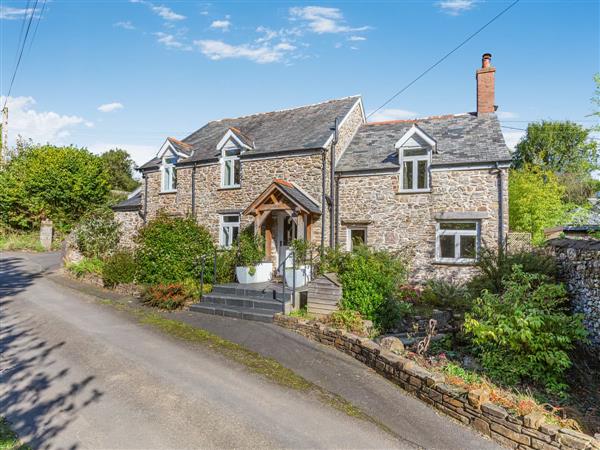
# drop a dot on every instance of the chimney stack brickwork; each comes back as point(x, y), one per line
point(485, 86)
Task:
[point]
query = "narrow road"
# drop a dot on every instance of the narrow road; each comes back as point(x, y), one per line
point(77, 374)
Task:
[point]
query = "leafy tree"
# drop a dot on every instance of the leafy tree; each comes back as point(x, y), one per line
point(561, 147)
point(45, 181)
point(536, 201)
point(120, 166)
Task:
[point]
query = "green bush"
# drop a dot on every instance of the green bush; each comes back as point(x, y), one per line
point(443, 294)
point(369, 278)
point(97, 234)
point(496, 266)
point(391, 312)
point(169, 250)
point(93, 266)
point(226, 261)
point(250, 249)
point(119, 268)
point(18, 240)
point(58, 183)
point(348, 320)
point(166, 296)
point(526, 332)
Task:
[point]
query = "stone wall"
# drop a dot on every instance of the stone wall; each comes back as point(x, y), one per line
point(130, 222)
point(579, 267)
point(472, 408)
point(401, 221)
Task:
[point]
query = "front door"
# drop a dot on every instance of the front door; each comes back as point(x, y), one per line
point(286, 233)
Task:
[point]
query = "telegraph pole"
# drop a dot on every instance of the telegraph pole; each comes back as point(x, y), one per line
point(4, 147)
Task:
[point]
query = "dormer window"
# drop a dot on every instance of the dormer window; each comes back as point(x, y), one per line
point(231, 168)
point(169, 174)
point(415, 149)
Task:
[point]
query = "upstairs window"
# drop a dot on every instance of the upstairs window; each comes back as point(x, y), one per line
point(457, 242)
point(169, 174)
point(415, 169)
point(231, 168)
point(230, 229)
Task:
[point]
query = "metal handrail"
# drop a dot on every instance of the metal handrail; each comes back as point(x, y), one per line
point(283, 263)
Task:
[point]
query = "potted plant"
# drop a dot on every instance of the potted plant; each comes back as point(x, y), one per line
point(250, 252)
point(301, 270)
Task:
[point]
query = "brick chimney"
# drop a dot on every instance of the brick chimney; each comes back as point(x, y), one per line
point(485, 85)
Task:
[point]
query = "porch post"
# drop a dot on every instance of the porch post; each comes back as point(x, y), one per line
point(268, 239)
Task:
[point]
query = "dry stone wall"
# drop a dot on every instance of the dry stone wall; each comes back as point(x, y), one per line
point(130, 222)
point(469, 407)
point(579, 267)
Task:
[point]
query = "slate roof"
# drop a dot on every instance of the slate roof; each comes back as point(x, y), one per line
point(180, 147)
point(303, 128)
point(461, 138)
point(298, 196)
point(133, 203)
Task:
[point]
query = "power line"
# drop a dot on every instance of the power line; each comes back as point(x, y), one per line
point(37, 24)
point(430, 68)
point(20, 53)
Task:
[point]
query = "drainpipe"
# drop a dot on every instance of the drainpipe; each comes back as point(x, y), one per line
point(332, 185)
point(323, 201)
point(337, 209)
point(194, 192)
point(499, 182)
point(145, 178)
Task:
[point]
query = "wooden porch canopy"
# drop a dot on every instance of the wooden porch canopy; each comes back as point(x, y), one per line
point(284, 196)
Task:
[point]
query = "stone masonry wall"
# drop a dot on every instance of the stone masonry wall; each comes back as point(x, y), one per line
point(399, 221)
point(130, 222)
point(469, 407)
point(579, 267)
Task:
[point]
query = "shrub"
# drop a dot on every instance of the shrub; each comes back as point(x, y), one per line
point(348, 320)
point(496, 266)
point(332, 261)
point(391, 312)
point(86, 266)
point(250, 249)
point(97, 234)
point(166, 296)
point(368, 279)
point(17, 240)
point(226, 261)
point(525, 333)
point(443, 294)
point(119, 268)
point(169, 250)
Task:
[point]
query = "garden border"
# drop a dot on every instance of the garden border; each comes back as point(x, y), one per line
point(469, 407)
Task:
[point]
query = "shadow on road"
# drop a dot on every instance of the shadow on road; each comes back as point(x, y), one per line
point(37, 396)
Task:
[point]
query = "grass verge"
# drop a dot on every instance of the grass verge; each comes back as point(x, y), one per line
point(8, 438)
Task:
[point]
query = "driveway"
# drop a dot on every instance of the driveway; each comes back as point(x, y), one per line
point(78, 374)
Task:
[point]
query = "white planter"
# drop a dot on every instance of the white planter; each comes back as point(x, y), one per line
point(302, 275)
point(263, 272)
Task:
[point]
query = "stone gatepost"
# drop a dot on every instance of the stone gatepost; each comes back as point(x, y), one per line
point(46, 232)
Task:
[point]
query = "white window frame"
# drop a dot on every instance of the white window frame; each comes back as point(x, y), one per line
point(230, 184)
point(415, 169)
point(231, 226)
point(168, 182)
point(349, 236)
point(457, 233)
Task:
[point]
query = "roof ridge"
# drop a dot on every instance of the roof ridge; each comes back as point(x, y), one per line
point(178, 142)
point(417, 119)
point(288, 109)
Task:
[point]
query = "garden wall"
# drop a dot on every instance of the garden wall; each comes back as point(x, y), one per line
point(579, 267)
point(470, 408)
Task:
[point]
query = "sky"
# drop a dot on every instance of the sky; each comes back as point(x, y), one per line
point(128, 73)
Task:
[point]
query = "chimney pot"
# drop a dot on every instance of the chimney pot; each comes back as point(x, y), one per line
point(486, 60)
point(485, 85)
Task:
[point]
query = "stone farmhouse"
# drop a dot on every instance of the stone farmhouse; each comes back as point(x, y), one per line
point(435, 187)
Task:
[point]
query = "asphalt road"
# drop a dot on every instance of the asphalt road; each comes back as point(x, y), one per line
point(76, 374)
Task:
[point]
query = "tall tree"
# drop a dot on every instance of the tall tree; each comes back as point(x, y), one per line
point(562, 147)
point(120, 167)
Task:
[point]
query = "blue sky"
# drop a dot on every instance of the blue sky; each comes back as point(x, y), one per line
point(129, 73)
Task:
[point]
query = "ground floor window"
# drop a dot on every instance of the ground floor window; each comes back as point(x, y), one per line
point(457, 241)
point(356, 236)
point(229, 229)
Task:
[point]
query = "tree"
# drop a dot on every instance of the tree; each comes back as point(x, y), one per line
point(120, 166)
point(562, 147)
point(536, 201)
point(45, 181)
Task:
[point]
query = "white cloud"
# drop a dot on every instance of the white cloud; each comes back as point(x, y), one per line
point(505, 115)
point(39, 126)
point(140, 153)
point(8, 13)
point(357, 38)
point(392, 114)
point(456, 7)
point(126, 25)
point(222, 25)
point(512, 137)
point(262, 54)
point(320, 19)
point(110, 107)
point(170, 41)
point(163, 11)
